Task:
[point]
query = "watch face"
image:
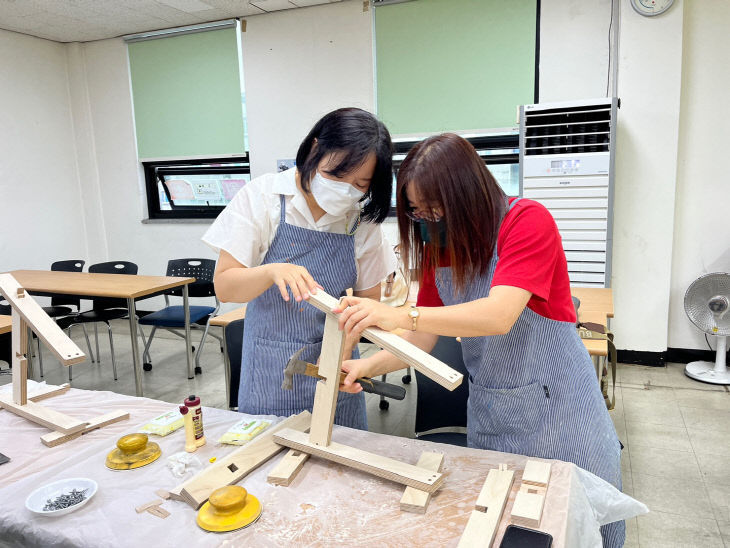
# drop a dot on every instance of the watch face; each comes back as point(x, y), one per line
point(651, 7)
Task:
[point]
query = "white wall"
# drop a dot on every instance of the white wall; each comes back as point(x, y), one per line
point(39, 191)
point(573, 49)
point(701, 231)
point(298, 65)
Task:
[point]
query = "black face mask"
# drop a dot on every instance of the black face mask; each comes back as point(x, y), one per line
point(440, 229)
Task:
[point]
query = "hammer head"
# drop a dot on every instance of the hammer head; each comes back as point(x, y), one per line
point(294, 366)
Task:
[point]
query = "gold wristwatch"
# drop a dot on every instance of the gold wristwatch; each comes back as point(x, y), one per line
point(414, 314)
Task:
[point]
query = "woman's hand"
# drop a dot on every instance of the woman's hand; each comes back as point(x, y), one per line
point(296, 277)
point(358, 314)
point(355, 369)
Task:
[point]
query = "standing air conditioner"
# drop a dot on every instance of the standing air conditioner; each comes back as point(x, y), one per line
point(567, 164)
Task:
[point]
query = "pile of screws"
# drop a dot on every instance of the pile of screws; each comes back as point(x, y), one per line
point(66, 500)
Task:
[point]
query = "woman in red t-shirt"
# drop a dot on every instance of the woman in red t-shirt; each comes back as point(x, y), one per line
point(493, 272)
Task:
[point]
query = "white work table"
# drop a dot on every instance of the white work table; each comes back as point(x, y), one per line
point(326, 505)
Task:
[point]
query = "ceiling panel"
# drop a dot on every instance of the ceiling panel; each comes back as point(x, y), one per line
point(86, 20)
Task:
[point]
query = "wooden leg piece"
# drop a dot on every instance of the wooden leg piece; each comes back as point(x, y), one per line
point(53, 420)
point(288, 468)
point(232, 468)
point(144, 507)
point(57, 438)
point(48, 392)
point(325, 396)
point(483, 522)
point(414, 500)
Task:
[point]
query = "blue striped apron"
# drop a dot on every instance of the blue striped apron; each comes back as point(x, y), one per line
point(533, 391)
point(275, 328)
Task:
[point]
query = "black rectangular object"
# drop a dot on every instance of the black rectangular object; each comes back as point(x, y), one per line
point(521, 537)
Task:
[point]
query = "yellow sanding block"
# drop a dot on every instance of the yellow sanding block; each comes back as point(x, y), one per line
point(228, 508)
point(133, 451)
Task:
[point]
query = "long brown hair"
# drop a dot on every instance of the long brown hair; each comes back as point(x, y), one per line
point(447, 172)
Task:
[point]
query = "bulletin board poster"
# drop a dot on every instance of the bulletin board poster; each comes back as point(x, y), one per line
point(180, 189)
point(231, 186)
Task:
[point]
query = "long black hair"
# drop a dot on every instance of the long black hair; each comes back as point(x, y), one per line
point(357, 134)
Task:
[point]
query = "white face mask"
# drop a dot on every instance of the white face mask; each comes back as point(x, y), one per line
point(335, 197)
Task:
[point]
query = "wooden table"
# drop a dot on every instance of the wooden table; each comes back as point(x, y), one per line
point(123, 286)
point(6, 323)
point(222, 321)
point(326, 505)
point(595, 299)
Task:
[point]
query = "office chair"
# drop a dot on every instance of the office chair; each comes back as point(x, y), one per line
point(440, 414)
point(234, 348)
point(103, 309)
point(172, 318)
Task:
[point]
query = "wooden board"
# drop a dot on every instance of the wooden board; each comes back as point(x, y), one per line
point(384, 467)
point(495, 490)
point(233, 467)
point(415, 500)
point(527, 509)
point(53, 420)
point(44, 327)
point(537, 473)
point(19, 347)
point(288, 468)
point(57, 438)
point(479, 531)
point(325, 395)
point(434, 369)
point(484, 520)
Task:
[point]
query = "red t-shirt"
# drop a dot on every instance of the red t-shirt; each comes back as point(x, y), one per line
point(531, 257)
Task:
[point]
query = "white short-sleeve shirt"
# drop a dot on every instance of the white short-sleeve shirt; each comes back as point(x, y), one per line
point(247, 226)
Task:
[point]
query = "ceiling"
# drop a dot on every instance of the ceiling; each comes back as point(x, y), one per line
point(86, 20)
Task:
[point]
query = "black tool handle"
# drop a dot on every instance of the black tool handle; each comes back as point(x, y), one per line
point(382, 388)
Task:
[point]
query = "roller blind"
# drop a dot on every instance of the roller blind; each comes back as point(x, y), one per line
point(187, 94)
point(454, 64)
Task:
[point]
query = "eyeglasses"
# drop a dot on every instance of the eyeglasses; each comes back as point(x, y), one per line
point(432, 214)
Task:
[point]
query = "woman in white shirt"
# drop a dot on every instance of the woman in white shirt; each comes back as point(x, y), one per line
point(285, 234)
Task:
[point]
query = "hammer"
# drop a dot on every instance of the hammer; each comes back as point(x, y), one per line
point(295, 366)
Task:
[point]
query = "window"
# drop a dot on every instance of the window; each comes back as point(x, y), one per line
point(500, 152)
point(193, 189)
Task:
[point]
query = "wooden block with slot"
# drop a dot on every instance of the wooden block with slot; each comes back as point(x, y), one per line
point(144, 507)
point(288, 468)
point(434, 369)
point(527, 509)
point(537, 473)
point(19, 339)
point(415, 500)
point(384, 467)
point(325, 396)
point(232, 468)
point(484, 520)
point(57, 438)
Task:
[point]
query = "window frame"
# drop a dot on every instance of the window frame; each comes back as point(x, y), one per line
point(199, 166)
point(501, 148)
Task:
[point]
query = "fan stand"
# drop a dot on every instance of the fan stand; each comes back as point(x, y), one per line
point(715, 373)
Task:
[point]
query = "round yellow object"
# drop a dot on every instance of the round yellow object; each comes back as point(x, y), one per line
point(212, 459)
point(133, 451)
point(228, 508)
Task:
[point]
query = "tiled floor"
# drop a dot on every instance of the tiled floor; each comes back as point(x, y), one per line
point(676, 431)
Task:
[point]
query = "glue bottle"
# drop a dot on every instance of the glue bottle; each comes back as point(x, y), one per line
point(189, 429)
point(193, 405)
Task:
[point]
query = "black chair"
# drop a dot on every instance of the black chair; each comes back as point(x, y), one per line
point(6, 339)
point(436, 407)
point(103, 309)
point(234, 349)
point(172, 318)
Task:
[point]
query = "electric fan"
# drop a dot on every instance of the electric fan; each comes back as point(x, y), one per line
point(707, 304)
